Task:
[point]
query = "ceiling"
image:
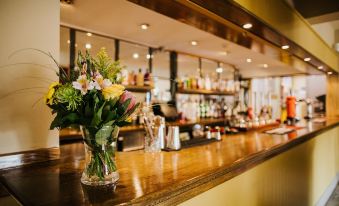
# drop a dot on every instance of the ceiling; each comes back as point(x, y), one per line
point(121, 19)
point(313, 8)
point(323, 16)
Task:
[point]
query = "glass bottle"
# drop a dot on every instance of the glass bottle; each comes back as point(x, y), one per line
point(140, 78)
point(208, 85)
point(147, 78)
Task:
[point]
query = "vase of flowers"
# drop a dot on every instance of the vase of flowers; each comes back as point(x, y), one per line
point(92, 96)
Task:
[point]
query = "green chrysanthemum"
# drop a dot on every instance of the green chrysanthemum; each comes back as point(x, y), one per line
point(67, 94)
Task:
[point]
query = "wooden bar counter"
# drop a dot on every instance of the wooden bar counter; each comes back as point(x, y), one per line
point(166, 178)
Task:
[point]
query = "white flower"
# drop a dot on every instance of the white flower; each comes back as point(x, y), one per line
point(83, 84)
point(101, 83)
point(106, 83)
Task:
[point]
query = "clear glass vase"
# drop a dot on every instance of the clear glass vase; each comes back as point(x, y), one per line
point(100, 147)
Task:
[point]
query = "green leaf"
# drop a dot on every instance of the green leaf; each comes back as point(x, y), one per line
point(97, 116)
point(110, 116)
point(110, 123)
point(88, 110)
point(72, 118)
point(129, 113)
point(113, 101)
point(57, 121)
point(122, 108)
point(101, 137)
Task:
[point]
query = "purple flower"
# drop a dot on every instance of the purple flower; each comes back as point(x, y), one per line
point(124, 97)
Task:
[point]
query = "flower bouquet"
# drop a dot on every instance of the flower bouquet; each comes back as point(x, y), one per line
point(92, 97)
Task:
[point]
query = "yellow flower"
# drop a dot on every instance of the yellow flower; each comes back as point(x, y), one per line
point(129, 119)
point(113, 91)
point(49, 95)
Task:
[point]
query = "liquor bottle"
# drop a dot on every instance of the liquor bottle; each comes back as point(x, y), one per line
point(208, 109)
point(208, 84)
point(202, 109)
point(140, 78)
point(217, 109)
point(201, 83)
point(212, 108)
point(222, 108)
point(124, 77)
point(215, 84)
point(222, 85)
point(185, 82)
point(180, 83)
point(193, 83)
point(147, 78)
point(131, 80)
point(197, 106)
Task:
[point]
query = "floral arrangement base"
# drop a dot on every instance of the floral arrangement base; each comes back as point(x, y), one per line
point(111, 179)
point(100, 145)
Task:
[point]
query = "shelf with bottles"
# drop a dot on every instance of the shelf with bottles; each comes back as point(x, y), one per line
point(207, 86)
point(205, 92)
point(202, 109)
point(74, 133)
point(137, 82)
point(204, 121)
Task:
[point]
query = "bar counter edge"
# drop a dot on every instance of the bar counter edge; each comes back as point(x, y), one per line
point(191, 187)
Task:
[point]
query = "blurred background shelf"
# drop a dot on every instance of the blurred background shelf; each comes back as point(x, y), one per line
point(204, 91)
point(70, 134)
point(132, 88)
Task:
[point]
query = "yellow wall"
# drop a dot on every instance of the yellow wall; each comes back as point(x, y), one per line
point(332, 96)
point(287, 21)
point(296, 177)
point(27, 24)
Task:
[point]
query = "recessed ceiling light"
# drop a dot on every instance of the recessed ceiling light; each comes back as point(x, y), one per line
point(247, 26)
point(148, 56)
point(144, 26)
point(320, 67)
point(265, 65)
point(285, 46)
point(194, 43)
point(224, 53)
point(248, 60)
point(68, 41)
point(329, 73)
point(135, 55)
point(219, 70)
point(88, 46)
point(307, 59)
point(89, 34)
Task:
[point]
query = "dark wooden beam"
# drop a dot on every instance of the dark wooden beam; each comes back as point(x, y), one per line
point(173, 73)
point(117, 49)
point(150, 60)
point(72, 48)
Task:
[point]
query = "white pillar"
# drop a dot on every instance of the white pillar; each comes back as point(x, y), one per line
point(27, 24)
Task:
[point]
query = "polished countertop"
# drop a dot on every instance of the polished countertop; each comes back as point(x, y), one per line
point(152, 178)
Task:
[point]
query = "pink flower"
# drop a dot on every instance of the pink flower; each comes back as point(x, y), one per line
point(125, 96)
